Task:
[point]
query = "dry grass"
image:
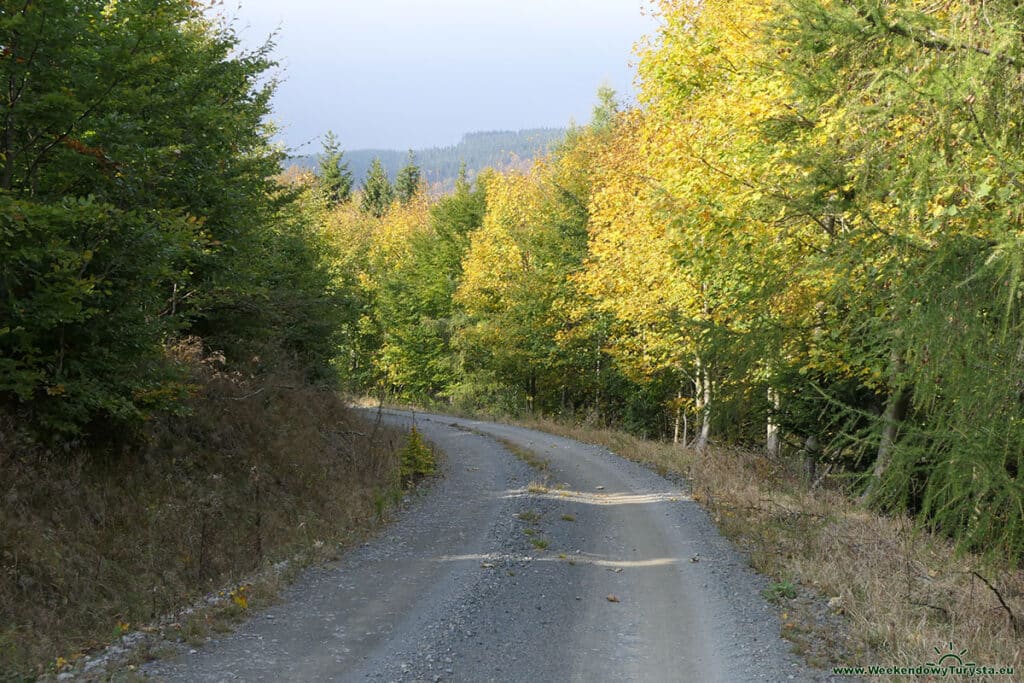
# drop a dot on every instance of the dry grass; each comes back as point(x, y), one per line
point(93, 546)
point(531, 458)
point(903, 591)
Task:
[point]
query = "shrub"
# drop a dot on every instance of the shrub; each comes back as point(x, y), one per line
point(417, 458)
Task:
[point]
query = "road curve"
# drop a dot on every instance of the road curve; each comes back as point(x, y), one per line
point(606, 572)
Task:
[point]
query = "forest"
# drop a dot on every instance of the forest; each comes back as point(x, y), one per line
point(171, 315)
point(805, 238)
point(440, 165)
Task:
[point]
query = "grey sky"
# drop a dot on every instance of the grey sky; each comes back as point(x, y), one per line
point(403, 73)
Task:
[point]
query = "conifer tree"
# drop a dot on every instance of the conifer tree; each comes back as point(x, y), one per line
point(335, 177)
point(378, 194)
point(407, 184)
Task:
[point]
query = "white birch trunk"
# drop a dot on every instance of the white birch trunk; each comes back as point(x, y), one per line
point(702, 385)
point(773, 442)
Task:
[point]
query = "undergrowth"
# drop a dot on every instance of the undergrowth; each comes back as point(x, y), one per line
point(93, 546)
point(416, 458)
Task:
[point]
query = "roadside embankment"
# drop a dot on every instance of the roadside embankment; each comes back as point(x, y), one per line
point(97, 545)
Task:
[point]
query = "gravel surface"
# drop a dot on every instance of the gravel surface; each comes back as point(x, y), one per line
point(593, 569)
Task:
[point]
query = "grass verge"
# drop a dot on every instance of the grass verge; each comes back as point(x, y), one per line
point(97, 546)
point(902, 591)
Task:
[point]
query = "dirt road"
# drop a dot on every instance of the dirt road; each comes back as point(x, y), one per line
point(594, 569)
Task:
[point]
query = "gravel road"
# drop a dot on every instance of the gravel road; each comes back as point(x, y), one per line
point(593, 570)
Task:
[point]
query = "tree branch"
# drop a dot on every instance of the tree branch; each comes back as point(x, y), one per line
point(1014, 620)
point(933, 42)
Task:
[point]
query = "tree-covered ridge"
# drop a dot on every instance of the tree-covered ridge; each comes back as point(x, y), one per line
point(440, 165)
point(806, 236)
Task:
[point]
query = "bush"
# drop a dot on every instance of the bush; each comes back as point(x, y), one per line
point(417, 458)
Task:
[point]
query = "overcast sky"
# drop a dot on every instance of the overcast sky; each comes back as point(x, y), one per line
point(418, 73)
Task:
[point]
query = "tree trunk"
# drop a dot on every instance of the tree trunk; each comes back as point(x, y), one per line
point(680, 419)
point(702, 385)
point(7, 140)
point(773, 442)
point(896, 409)
point(811, 449)
point(675, 427)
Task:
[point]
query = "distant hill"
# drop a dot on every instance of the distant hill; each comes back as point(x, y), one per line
point(440, 165)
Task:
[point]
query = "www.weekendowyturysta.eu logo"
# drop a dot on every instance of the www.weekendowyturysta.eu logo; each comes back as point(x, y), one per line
point(948, 661)
point(950, 658)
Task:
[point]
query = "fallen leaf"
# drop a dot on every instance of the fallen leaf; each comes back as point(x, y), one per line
point(617, 570)
point(612, 598)
point(486, 565)
point(695, 558)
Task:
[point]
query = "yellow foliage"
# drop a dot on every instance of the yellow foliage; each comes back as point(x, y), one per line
point(240, 597)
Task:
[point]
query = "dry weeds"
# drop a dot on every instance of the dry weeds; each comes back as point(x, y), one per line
point(92, 547)
point(902, 590)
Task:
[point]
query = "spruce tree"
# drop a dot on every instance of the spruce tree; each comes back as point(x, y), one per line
point(407, 184)
point(335, 178)
point(377, 191)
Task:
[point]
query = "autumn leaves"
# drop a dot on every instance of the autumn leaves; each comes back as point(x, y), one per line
point(808, 225)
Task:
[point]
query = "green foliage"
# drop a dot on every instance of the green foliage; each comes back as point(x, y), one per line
point(294, 302)
point(414, 303)
point(931, 304)
point(335, 179)
point(777, 592)
point(416, 458)
point(407, 183)
point(517, 292)
point(481, 390)
point(80, 338)
point(811, 225)
point(377, 191)
point(138, 204)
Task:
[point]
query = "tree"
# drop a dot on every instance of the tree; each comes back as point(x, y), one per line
point(516, 291)
point(135, 167)
point(407, 184)
point(605, 110)
point(139, 203)
point(921, 197)
point(378, 194)
point(335, 179)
